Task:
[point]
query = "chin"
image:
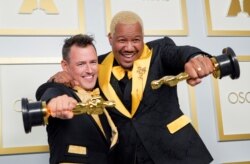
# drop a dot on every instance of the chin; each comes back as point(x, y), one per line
point(88, 87)
point(127, 66)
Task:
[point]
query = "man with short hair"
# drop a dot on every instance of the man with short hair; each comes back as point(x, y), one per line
point(84, 138)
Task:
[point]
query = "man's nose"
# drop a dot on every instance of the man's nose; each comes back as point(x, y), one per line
point(89, 68)
point(129, 46)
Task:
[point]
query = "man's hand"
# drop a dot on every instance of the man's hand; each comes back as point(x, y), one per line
point(197, 68)
point(61, 107)
point(64, 77)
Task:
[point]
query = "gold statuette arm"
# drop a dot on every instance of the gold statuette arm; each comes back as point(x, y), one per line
point(94, 105)
point(169, 80)
point(37, 113)
point(223, 65)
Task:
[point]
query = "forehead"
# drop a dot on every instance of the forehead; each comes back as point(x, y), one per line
point(83, 53)
point(128, 30)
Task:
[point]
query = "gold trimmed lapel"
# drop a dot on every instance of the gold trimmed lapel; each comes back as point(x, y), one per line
point(85, 96)
point(139, 77)
point(98, 122)
point(114, 132)
point(104, 75)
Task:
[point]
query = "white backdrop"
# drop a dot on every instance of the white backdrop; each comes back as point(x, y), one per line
point(28, 46)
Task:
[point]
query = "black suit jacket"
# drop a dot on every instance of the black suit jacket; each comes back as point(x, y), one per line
point(77, 140)
point(156, 110)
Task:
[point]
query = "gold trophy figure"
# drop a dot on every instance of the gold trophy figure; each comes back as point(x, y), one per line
point(224, 65)
point(37, 113)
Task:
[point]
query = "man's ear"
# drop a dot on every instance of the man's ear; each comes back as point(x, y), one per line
point(64, 65)
point(110, 38)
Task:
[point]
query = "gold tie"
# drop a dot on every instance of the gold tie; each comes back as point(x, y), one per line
point(119, 72)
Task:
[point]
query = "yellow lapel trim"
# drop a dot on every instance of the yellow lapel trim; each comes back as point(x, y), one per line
point(98, 122)
point(103, 78)
point(85, 96)
point(114, 132)
point(140, 74)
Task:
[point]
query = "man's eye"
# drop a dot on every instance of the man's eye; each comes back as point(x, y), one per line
point(80, 64)
point(121, 41)
point(94, 62)
point(136, 40)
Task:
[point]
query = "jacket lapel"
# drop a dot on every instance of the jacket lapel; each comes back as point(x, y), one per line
point(140, 74)
point(139, 78)
point(104, 83)
point(114, 132)
point(85, 96)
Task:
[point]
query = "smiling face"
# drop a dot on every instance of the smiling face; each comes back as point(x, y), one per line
point(82, 65)
point(127, 43)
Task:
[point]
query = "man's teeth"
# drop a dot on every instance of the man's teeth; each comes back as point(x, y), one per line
point(88, 77)
point(128, 55)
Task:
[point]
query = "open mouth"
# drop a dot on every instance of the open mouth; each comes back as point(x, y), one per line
point(88, 77)
point(128, 56)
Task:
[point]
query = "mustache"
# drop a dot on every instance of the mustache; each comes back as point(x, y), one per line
point(124, 52)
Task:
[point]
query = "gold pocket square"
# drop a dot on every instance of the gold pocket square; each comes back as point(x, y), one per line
point(74, 149)
point(178, 123)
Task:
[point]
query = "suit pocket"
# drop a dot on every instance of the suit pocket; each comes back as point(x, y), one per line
point(75, 154)
point(75, 149)
point(178, 124)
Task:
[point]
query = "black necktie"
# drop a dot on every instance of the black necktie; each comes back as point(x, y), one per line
point(125, 86)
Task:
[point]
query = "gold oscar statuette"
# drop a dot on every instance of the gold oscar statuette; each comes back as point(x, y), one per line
point(37, 113)
point(224, 65)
